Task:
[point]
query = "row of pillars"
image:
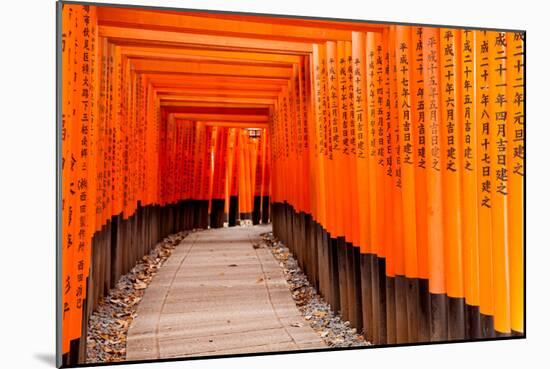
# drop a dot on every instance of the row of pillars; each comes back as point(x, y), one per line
point(386, 309)
point(123, 241)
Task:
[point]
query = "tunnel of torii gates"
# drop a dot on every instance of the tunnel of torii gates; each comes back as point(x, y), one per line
point(390, 159)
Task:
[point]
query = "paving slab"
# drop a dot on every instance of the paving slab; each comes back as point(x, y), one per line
point(218, 295)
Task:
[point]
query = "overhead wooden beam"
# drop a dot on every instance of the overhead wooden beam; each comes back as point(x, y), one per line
point(128, 33)
point(135, 53)
point(197, 104)
point(250, 125)
point(216, 47)
point(215, 87)
point(250, 28)
point(214, 92)
point(174, 67)
point(240, 110)
point(350, 25)
point(173, 100)
point(227, 54)
point(244, 118)
point(237, 125)
point(241, 81)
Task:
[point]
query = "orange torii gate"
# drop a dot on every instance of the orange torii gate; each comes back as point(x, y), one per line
point(392, 157)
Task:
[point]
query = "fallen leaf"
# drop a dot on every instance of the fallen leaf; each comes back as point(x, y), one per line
point(140, 286)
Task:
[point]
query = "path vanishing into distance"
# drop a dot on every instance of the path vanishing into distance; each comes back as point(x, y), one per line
point(218, 294)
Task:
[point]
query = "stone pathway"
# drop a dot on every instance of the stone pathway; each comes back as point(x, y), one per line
point(217, 294)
